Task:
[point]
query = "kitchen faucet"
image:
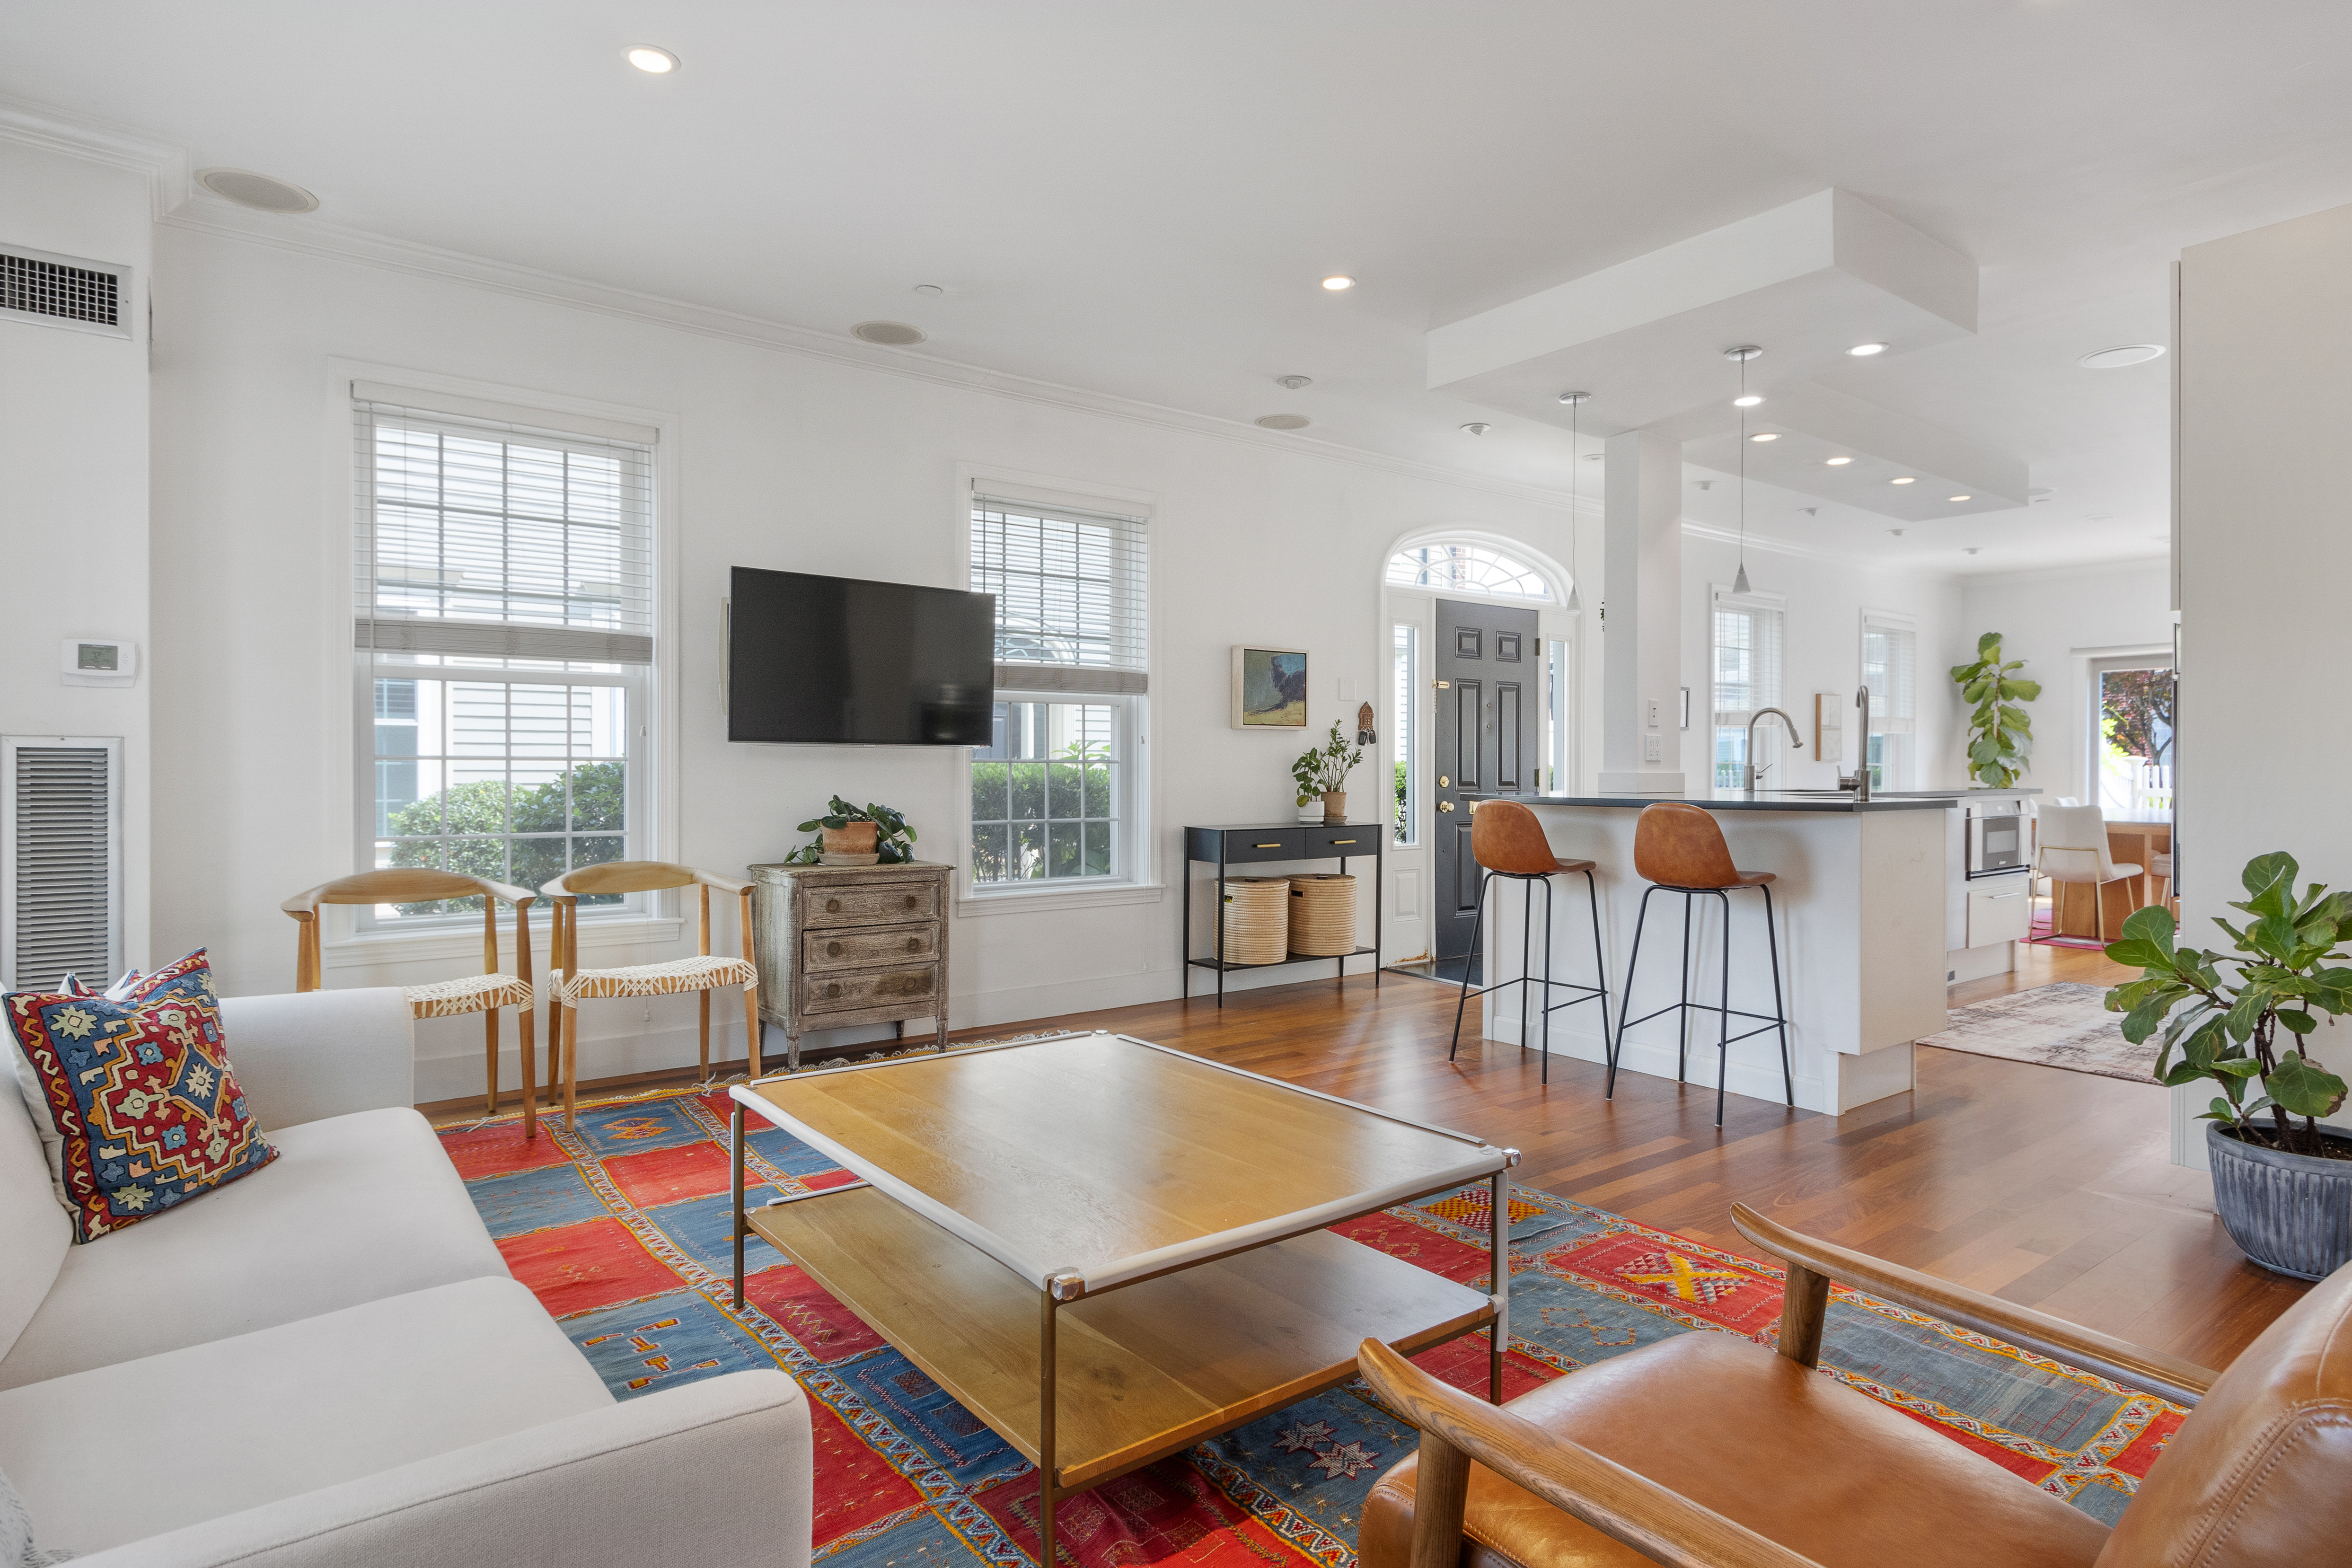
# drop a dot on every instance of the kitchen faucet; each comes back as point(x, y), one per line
point(1749, 774)
point(1860, 782)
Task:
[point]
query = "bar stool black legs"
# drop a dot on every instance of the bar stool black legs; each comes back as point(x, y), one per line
point(1776, 1020)
point(1526, 977)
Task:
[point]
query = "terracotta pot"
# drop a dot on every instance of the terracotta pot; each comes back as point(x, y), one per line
point(1335, 806)
point(857, 838)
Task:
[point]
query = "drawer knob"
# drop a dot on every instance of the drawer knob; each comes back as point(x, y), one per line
point(834, 989)
point(914, 944)
point(833, 949)
point(833, 906)
point(910, 900)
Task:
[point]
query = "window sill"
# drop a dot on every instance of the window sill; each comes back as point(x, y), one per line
point(1022, 901)
point(366, 951)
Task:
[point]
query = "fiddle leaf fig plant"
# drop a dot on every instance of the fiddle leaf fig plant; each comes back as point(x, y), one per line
point(1320, 770)
point(2000, 733)
point(2244, 1028)
point(893, 840)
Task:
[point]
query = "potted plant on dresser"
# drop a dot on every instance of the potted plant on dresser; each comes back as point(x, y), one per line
point(2282, 1178)
point(1323, 771)
point(848, 835)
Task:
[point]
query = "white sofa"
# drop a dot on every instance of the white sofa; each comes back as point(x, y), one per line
point(326, 1362)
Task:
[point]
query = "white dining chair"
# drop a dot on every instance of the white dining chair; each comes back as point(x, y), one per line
point(2073, 853)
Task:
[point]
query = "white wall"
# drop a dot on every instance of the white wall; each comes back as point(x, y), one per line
point(780, 459)
point(1822, 651)
point(73, 486)
point(2265, 549)
point(2058, 622)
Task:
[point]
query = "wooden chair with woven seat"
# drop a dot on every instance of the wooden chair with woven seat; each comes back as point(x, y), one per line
point(485, 992)
point(1506, 839)
point(1679, 849)
point(1706, 1449)
point(567, 985)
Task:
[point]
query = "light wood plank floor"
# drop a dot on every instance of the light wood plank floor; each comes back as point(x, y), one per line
point(2047, 1187)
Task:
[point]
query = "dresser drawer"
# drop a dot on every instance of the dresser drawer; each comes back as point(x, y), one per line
point(863, 947)
point(1272, 843)
point(854, 990)
point(872, 903)
point(1351, 838)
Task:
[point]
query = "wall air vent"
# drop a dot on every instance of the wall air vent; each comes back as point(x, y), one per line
point(65, 291)
point(60, 859)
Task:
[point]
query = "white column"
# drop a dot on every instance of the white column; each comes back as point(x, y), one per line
point(1641, 645)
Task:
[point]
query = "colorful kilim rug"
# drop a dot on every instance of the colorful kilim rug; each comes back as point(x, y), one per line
point(621, 1230)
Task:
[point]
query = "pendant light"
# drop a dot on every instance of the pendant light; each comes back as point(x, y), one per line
point(1575, 401)
point(1743, 354)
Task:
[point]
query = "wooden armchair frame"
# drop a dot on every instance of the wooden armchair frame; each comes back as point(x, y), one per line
point(404, 885)
point(1663, 1525)
point(631, 876)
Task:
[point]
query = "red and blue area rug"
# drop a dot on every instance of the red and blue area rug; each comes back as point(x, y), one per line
point(621, 1230)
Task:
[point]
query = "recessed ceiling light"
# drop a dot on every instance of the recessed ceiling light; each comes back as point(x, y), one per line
point(896, 334)
point(1906, 479)
point(1962, 498)
point(261, 192)
point(1764, 436)
point(1750, 401)
point(1339, 281)
point(1294, 381)
point(659, 62)
point(930, 290)
point(1477, 427)
point(1283, 421)
point(1837, 462)
point(2123, 355)
point(1864, 351)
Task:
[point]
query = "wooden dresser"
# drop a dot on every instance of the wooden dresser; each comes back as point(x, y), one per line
point(845, 945)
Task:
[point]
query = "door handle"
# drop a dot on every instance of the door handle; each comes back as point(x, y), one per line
point(1996, 898)
point(1444, 782)
point(1445, 806)
point(1443, 685)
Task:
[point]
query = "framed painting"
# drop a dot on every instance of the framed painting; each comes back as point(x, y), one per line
point(1269, 687)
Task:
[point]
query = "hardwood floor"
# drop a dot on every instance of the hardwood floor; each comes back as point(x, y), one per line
point(2047, 1187)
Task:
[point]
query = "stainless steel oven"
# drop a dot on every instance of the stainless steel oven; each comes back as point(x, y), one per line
point(1996, 837)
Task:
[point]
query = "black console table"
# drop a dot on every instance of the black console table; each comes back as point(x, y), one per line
point(1229, 846)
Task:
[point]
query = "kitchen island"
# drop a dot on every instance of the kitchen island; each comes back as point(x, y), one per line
point(1859, 896)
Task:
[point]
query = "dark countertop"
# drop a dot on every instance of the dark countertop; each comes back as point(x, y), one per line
point(1763, 800)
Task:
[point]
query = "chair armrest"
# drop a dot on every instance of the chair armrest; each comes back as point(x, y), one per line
point(306, 1055)
point(717, 1471)
point(1625, 1506)
point(724, 884)
point(1813, 1264)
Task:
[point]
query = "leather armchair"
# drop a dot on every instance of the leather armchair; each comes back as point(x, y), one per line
point(1706, 1450)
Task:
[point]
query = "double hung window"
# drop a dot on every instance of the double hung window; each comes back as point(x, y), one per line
point(504, 629)
point(1747, 667)
point(1055, 797)
point(1888, 646)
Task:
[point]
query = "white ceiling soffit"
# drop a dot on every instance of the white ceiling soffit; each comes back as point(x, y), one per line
point(1815, 424)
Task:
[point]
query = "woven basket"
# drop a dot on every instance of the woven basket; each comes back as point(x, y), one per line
point(1257, 920)
point(1323, 916)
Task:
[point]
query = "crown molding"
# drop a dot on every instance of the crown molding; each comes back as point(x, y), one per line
point(1771, 546)
point(2063, 574)
point(166, 165)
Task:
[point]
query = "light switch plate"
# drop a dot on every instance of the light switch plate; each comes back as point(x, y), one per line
point(1654, 747)
point(1649, 712)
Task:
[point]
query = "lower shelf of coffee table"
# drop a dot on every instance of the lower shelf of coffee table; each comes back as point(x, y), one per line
point(1145, 1370)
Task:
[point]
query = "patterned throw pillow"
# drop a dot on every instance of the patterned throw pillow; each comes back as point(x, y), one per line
point(138, 1091)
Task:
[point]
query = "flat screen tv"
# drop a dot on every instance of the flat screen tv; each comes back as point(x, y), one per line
point(841, 661)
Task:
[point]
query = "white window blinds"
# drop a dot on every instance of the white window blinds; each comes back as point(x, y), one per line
point(1746, 659)
point(1071, 594)
point(481, 537)
point(1888, 652)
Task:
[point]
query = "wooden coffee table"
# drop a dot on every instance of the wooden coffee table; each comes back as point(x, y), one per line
point(1107, 1250)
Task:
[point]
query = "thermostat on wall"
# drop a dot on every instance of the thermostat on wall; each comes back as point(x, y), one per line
point(97, 661)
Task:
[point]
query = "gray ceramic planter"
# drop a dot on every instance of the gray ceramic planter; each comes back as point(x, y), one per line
point(2290, 1212)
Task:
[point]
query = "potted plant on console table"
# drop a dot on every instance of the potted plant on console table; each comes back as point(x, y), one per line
point(2282, 1179)
point(855, 835)
point(1323, 771)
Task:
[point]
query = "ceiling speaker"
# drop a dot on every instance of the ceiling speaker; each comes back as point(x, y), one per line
point(247, 189)
point(897, 334)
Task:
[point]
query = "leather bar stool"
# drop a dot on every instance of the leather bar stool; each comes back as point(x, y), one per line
point(1506, 840)
point(1679, 849)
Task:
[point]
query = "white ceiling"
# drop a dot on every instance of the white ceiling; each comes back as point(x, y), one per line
point(1141, 200)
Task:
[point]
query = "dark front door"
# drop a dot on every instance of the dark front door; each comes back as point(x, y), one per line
point(1488, 682)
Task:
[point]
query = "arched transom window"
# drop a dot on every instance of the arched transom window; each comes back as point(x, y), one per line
point(1466, 569)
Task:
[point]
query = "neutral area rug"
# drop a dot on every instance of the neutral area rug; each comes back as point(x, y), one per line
point(2061, 1025)
point(622, 1229)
